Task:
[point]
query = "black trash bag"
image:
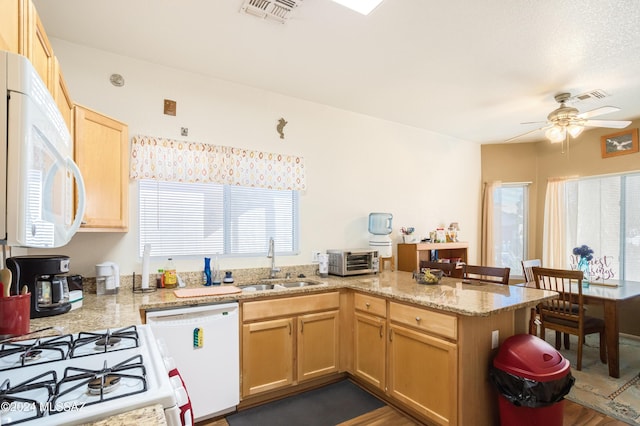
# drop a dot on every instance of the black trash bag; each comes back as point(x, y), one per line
point(523, 392)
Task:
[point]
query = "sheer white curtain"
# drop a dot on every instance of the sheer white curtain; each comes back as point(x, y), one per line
point(554, 247)
point(487, 250)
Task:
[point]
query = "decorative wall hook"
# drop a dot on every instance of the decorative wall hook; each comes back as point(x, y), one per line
point(280, 127)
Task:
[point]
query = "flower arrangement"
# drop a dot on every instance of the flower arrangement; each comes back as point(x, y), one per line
point(407, 231)
point(584, 252)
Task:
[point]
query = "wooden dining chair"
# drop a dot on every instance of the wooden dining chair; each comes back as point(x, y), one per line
point(566, 313)
point(490, 274)
point(528, 277)
point(446, 267)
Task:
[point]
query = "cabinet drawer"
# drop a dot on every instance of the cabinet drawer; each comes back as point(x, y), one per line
point(262, 309)
point(422, 319)
point(371, 304)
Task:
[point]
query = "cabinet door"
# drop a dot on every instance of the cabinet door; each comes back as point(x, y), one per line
point(369, 349)
point(102, 154)
point(62, 97)
point(39, 49)
point(318, 348)
point(12, 26)
point(423, 374)
point(267, 355)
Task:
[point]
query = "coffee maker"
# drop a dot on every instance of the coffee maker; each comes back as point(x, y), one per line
point(40, 273)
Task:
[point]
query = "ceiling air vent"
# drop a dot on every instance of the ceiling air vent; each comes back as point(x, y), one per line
point(277, 10)
point(589, 96)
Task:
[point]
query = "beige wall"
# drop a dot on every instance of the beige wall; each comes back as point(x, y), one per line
point(537, 161)
point(355, 164)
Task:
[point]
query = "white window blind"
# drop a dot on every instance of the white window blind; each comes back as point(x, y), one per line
point(196, 219)
point(604, 214)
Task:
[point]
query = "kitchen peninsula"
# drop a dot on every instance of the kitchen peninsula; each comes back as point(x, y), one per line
point(419, 326)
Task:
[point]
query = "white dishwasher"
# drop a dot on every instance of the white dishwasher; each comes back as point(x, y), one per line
point(204, 344)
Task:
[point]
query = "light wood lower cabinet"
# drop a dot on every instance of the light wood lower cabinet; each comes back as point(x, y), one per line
point(283, 345)
point(267, 355)
point(370, 349)
point(317, 345)
point(422, 373)
point(423, 361)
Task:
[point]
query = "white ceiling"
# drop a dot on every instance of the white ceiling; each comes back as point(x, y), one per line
point(470, 69)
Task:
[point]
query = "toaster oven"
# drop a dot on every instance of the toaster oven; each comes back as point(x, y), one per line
point(353, 262)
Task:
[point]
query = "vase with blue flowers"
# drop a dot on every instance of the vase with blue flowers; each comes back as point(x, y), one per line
point(586, 254)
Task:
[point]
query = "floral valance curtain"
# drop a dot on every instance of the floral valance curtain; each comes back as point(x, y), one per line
point(180, 161)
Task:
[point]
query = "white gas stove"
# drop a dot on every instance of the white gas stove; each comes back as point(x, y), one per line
point(85, 377)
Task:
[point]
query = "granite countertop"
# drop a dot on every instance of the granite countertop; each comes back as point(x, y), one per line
point(451, 295)
point(127, 308)
point(147, 416)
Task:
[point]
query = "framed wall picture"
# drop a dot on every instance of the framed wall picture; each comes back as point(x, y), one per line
point(621, 143)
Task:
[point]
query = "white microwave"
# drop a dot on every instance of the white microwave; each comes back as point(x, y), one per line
point(37, 191)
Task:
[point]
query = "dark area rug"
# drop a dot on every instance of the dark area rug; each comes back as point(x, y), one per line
point(326, 406)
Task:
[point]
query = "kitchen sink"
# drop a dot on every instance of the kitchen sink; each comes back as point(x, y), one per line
point(276, 285)
point(256, 287)
point(298, 284)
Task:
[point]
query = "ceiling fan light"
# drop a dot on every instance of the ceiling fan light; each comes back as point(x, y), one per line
point(575, 130)
point(556, 134)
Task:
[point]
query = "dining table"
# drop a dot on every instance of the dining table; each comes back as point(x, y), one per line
point(610, 294)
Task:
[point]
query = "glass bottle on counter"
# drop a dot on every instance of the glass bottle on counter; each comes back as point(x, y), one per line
point(170, 277)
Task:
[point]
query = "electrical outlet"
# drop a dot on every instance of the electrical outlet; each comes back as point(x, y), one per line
point(315, 256)
point(495, 339)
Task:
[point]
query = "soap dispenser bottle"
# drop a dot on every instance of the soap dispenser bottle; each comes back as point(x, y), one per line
point(207, 271)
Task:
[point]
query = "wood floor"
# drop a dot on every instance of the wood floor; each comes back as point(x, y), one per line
point(574, 414)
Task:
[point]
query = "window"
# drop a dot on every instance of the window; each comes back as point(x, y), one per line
point(196, 219)
point(604, 213)
point(510, 203)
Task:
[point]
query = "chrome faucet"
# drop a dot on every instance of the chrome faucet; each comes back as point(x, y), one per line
point(272, 255)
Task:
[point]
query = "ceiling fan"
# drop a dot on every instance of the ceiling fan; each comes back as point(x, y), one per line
point(566, 121)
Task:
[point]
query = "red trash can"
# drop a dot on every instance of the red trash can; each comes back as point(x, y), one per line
point(532, 378)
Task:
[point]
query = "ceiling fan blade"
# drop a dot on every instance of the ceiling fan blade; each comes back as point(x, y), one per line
point(598, 111)
point(528, 133)
point(613, 124)
point(534, 122)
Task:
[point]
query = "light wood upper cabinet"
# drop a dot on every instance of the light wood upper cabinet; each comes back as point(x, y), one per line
point(22, 32)
point(13, 23)
point(102, 154)
point(62, 97)
point(39, 49)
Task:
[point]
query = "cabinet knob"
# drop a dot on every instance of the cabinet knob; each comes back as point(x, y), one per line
point(418, 319)
point(367, 305)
